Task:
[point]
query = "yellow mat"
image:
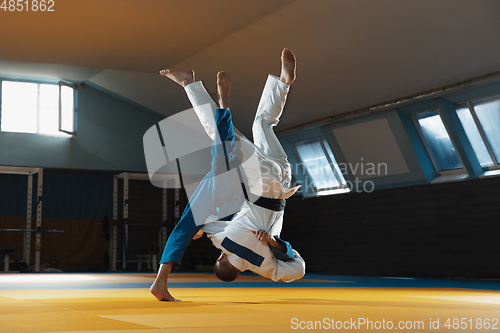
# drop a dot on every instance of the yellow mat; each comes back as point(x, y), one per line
point(249, 310)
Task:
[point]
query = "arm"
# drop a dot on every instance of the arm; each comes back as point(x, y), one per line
point(290, 270)
point(289, 264)
point(281, 249)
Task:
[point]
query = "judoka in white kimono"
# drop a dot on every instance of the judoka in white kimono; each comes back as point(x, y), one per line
point(267, 174)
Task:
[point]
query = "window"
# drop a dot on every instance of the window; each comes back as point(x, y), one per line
point(481, 121)
point(437, 141)
point(475, 138)
point(319, 164)
point(47, 109)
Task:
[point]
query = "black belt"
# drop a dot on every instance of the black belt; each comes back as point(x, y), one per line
point(268, 203)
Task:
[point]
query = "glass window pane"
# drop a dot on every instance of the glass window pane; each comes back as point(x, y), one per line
point(19, 107)
point(316, 164)
point(488, 112)
point(335, 164)
point(67, 109)
point(474, 136)
point(438, 141)
point(49, 109)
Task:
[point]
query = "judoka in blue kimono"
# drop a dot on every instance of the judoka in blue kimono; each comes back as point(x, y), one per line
point(240, 203)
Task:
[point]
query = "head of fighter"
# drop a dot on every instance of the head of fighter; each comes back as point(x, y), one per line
point(224, 270)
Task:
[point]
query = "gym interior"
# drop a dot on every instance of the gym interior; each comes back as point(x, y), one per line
point(392, 128)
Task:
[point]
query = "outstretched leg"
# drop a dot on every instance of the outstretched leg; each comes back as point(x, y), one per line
point(287, 66)
point(179, 76)
point(159, 288)
point(223, 192)
point(223, 88)
point(203, 105)
point(271, 106)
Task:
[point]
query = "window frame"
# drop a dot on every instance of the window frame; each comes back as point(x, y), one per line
point(67, 84)
point(479, 126)
point(342, 184)
point(38, 83)
point(459, 171)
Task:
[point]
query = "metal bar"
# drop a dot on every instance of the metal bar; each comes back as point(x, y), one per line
point(163, 233)
point(125, 220)
point(133, 176)
point(54, 231)
point(146, 224)
point(145, 176)
point(18, 170)
point(114, 233)
point(6, 262)
point(29, 213)
point(38, 239)
point(177, 205)
point(155, 263)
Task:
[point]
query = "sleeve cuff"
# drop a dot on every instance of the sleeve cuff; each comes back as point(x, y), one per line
point(280, 255)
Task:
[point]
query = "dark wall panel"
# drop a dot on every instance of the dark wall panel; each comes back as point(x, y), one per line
point(438, 230)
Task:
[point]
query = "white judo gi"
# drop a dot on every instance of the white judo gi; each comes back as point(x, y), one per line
point(268, 174)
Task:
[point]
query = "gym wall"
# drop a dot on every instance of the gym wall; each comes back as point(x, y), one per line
point(446, 230)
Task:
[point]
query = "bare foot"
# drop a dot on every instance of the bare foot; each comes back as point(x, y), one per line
point(182, 77)
point(223, 88)
point(161, 293)
point(287, 66)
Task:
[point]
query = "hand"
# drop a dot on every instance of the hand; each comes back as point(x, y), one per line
point(263, 235)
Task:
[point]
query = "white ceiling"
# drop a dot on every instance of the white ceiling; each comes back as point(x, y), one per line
point(350, 53)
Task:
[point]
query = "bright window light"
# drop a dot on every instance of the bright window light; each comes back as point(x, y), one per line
point(438, 141)
point(322, 171)
point(488, 113)
point(48, 109)
point(19, 107)
point(474, 136)
point(34, 108)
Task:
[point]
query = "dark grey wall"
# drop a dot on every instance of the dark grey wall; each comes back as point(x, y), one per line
point(439, 230)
